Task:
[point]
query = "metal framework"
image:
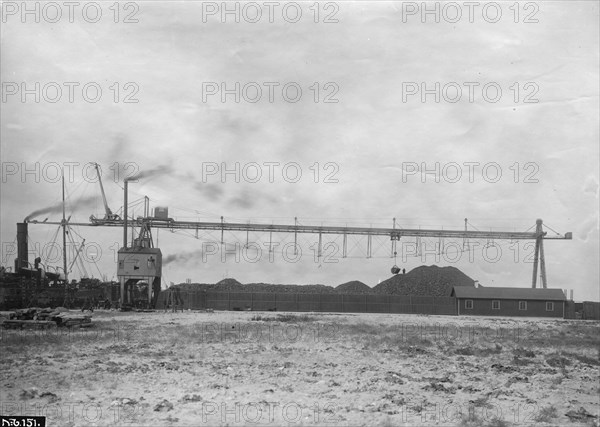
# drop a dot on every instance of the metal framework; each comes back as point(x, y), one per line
point(394, 233)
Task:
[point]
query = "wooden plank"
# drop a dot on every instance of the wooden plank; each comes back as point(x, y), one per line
point(21, 324)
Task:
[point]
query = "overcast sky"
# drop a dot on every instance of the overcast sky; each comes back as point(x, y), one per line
point(371, 63)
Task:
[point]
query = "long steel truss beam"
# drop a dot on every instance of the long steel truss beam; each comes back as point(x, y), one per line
point(394, 233)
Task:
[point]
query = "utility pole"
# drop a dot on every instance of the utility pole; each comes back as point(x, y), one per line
point(64, 236)
point(125, 217)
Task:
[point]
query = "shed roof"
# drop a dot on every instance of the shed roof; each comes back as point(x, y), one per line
point(509, 293)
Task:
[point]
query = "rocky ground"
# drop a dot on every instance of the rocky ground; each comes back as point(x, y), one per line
point(251, 368)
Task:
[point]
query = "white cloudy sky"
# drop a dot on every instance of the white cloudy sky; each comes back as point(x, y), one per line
point(370, 133)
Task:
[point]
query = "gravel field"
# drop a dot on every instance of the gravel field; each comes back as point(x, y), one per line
point(265, 368)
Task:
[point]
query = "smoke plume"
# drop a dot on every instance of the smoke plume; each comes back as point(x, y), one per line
point(182, 257)
point(212, 191)
point(78, 203)
point(247, 199)
point(160, 170)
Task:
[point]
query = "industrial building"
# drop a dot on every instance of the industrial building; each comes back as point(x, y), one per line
point(527, 302)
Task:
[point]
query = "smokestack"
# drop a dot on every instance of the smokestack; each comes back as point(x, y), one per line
point(22, 252)
point(125, 217)
point(571, 294)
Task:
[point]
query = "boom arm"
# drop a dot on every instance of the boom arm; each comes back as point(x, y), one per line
point(109, 216)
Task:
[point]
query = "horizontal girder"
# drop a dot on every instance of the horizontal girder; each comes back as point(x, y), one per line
point(393, 233)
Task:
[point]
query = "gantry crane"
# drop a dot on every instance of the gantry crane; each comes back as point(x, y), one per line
point(147, 223)
point(150, 265)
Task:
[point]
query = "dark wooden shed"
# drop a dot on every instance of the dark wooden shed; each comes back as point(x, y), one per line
point(530, 302)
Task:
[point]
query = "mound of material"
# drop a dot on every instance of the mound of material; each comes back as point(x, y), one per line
point(294, 289)
point(354, 287)
point(225, 285)
point(195, 287)
point(425, 280)
point(228, 283)
point(232, 285)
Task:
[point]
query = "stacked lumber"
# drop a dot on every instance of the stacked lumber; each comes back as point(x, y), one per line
point(28, 324)
point(7, 315)
point(69, 320)
point(41, 318)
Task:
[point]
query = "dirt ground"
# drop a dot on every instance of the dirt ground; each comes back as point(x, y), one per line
point(265, 368)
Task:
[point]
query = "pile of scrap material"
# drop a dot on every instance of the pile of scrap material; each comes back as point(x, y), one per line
point(70, 320)
point(354, 287)
point(426, 281)
point(5, 315)
point(42, 318)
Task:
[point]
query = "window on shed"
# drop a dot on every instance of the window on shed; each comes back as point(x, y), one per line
point(549, 306)
point(469, 303)
point(496, 305)
point(522, 305)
